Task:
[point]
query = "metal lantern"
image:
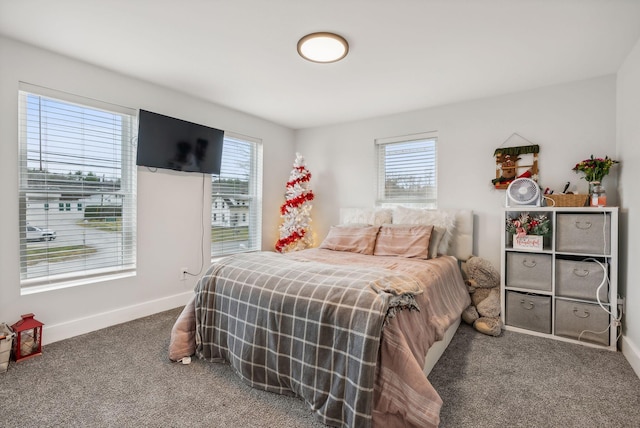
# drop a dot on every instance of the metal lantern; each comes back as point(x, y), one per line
point(28, 341)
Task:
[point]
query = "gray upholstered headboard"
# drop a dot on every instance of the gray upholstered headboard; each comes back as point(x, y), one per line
point(462, 243)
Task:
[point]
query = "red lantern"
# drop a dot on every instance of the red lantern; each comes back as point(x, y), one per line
point(28, 341)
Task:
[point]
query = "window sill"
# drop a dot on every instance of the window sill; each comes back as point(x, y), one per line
point(26, 290)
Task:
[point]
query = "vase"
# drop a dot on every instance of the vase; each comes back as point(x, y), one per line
point(597, 194)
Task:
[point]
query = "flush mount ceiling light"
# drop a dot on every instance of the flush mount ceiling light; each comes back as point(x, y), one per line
point(323, 47)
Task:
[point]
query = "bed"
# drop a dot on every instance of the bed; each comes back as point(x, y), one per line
point(351, 327)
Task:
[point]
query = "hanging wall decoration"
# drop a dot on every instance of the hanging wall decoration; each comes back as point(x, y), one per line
point(515, 162)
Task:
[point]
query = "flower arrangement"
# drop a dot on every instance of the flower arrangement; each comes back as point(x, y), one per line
point(595, 169)
point(526, 224)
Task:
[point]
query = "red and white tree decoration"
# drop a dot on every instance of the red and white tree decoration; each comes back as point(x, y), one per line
point(295, 230)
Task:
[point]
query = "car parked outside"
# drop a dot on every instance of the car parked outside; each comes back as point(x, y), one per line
point(35, 233)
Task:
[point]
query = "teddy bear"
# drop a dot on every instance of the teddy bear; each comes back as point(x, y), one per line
point(483, 282)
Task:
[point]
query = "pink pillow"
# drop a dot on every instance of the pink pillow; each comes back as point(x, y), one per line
point(351, 238)
point(443, 221)
point(183, 334)
point(404, 240)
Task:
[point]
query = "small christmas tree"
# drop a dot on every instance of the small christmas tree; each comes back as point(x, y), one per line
point(295, 230)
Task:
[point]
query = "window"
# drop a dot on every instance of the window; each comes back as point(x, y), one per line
point(237, 193)
point(75, 151)
point(407, 170)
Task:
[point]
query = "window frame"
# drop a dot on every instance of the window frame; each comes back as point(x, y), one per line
point(430, 197)
point(252, 200)
point(125, 193)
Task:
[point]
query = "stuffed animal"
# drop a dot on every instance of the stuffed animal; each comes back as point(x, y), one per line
point(483, 281)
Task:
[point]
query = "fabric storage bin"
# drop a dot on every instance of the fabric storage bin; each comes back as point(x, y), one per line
point(530, 311)
point(529, 270)
point(6, 340)
point(581, 279)
point(588, 233)
point(584, 321)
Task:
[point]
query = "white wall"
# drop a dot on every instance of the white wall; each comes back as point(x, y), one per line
point(168, 234)
point(569, 122)
point(628, 89)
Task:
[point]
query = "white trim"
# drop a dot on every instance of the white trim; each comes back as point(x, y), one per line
point(72, 151)
point(631, 353)
point(242, 137)
point(224, 216)
point(429, 135)
point(33, 286)
point(68, 97)
point(397, 162)
point(76, 327)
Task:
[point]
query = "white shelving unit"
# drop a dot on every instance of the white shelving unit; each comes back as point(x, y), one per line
point(554, 292)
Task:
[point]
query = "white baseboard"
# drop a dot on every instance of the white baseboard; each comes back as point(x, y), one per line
point(631, 353)
point(67, 329)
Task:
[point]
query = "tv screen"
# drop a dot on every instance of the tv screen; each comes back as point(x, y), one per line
point(170, 143)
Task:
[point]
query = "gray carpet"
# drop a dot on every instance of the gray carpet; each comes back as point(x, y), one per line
point(120, 376)
point(518, 380)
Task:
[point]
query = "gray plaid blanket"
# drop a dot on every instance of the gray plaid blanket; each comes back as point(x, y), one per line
point(301, 327)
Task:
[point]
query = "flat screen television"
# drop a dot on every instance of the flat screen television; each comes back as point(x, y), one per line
point(170, 143)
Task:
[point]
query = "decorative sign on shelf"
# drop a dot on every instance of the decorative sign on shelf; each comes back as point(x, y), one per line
point(527, 242)
point(515, 162)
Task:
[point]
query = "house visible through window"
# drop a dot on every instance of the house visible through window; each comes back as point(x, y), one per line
point(75, 152)
point(236, 196)
point(407, 171)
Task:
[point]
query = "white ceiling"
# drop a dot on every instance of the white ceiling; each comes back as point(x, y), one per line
point(404, 54)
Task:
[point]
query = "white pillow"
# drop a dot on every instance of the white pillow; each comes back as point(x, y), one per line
point(372, 216)
point(444, 223)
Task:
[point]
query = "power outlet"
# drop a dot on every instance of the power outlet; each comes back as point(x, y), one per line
point(183, 274)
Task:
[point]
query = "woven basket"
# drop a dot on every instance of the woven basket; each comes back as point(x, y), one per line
point(568, 200)
point(6, 339)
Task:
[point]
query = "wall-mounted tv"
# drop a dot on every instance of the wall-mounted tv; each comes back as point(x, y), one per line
point(170, 143)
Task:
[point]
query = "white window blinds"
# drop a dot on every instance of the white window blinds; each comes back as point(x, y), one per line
point(77, 187)
point(236, 198)
point(407, 170)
